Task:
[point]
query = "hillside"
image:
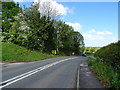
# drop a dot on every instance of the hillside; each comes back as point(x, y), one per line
point(13, 53)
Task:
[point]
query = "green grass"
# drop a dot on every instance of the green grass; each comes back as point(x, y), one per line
point(106, 74)
point(13, 53)
point(0, 51)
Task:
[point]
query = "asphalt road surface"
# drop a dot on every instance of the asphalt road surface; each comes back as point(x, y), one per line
point(50, 73)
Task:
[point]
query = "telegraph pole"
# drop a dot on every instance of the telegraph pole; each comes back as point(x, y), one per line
point(57, 40)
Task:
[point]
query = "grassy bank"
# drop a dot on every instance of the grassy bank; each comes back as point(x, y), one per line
point(0, 51)
point(109, 77)
point(13, 53)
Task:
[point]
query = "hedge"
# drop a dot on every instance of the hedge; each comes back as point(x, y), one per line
point(110, 54)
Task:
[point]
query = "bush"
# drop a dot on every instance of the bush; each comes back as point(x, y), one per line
point(110, 55)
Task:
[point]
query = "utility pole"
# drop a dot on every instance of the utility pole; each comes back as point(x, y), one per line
point(57, 39)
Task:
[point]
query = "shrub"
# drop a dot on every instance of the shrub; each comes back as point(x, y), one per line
point(110, 55)
point(109, 77)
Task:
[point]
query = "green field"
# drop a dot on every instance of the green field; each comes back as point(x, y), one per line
point(13, 53)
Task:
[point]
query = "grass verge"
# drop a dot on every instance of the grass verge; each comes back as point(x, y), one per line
point(15, 53)
point(0, 51)
point(109, 77)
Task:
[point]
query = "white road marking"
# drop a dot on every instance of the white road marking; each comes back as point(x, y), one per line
point(22, 76)
point(78, 78)
point(83, 65)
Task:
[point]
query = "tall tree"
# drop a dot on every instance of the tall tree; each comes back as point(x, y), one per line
point(46, 8)
point(43, 33)
point(9, 9)
point(0, 17)
point(37, 34)
point(78, 41)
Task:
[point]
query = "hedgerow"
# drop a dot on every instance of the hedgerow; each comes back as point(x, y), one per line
point(110, 55)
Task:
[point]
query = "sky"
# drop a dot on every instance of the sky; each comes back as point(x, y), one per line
point(96, 21)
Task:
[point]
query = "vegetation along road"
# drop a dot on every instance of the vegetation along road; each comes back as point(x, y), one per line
point(40, 49)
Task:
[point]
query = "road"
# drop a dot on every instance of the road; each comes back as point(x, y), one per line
point(58, 72)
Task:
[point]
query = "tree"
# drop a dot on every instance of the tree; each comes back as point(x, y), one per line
point(43, 33)
point(69, 40)
point(78, 41)
point(9, 9)
point(0, 17)
point(37, 34)
point(46, 8)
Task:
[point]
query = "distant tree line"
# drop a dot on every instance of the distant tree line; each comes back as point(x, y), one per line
point(89, 50)
point(29, 28)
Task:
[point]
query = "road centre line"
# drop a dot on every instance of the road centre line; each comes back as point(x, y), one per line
point(22, 76)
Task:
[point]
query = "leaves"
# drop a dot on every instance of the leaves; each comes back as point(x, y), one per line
point(9, 9)
point(42, 33)
point(110, 54)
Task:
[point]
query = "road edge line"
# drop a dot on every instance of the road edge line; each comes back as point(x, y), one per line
point(78, 77)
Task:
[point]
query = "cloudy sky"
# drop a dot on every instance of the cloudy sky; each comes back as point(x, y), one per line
point(96, 21)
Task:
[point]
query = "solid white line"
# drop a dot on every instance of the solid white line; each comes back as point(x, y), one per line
point(18, 76)
point(78, 77)
point(22, 76)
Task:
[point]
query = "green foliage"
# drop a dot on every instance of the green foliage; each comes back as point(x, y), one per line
point(12, 53)
point(0, 16)
point(110, 55)
point(37, 26)
point(105, 73)
point(41, 33)
point(9, 9)
point(0, 6)
point(107, 64)
point(89, 51)
point(0, 51)
point(68, 40)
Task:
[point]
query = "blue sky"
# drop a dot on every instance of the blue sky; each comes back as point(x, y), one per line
point(95, 18)
point(96, 21)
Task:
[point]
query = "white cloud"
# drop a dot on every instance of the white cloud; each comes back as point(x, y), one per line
point(95, 39)
point(76, 26)
point(59, 7)
point(104, 33)
point(92, 37)
point(93, 31)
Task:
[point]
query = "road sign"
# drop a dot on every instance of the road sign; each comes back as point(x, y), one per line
point(53, 51)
